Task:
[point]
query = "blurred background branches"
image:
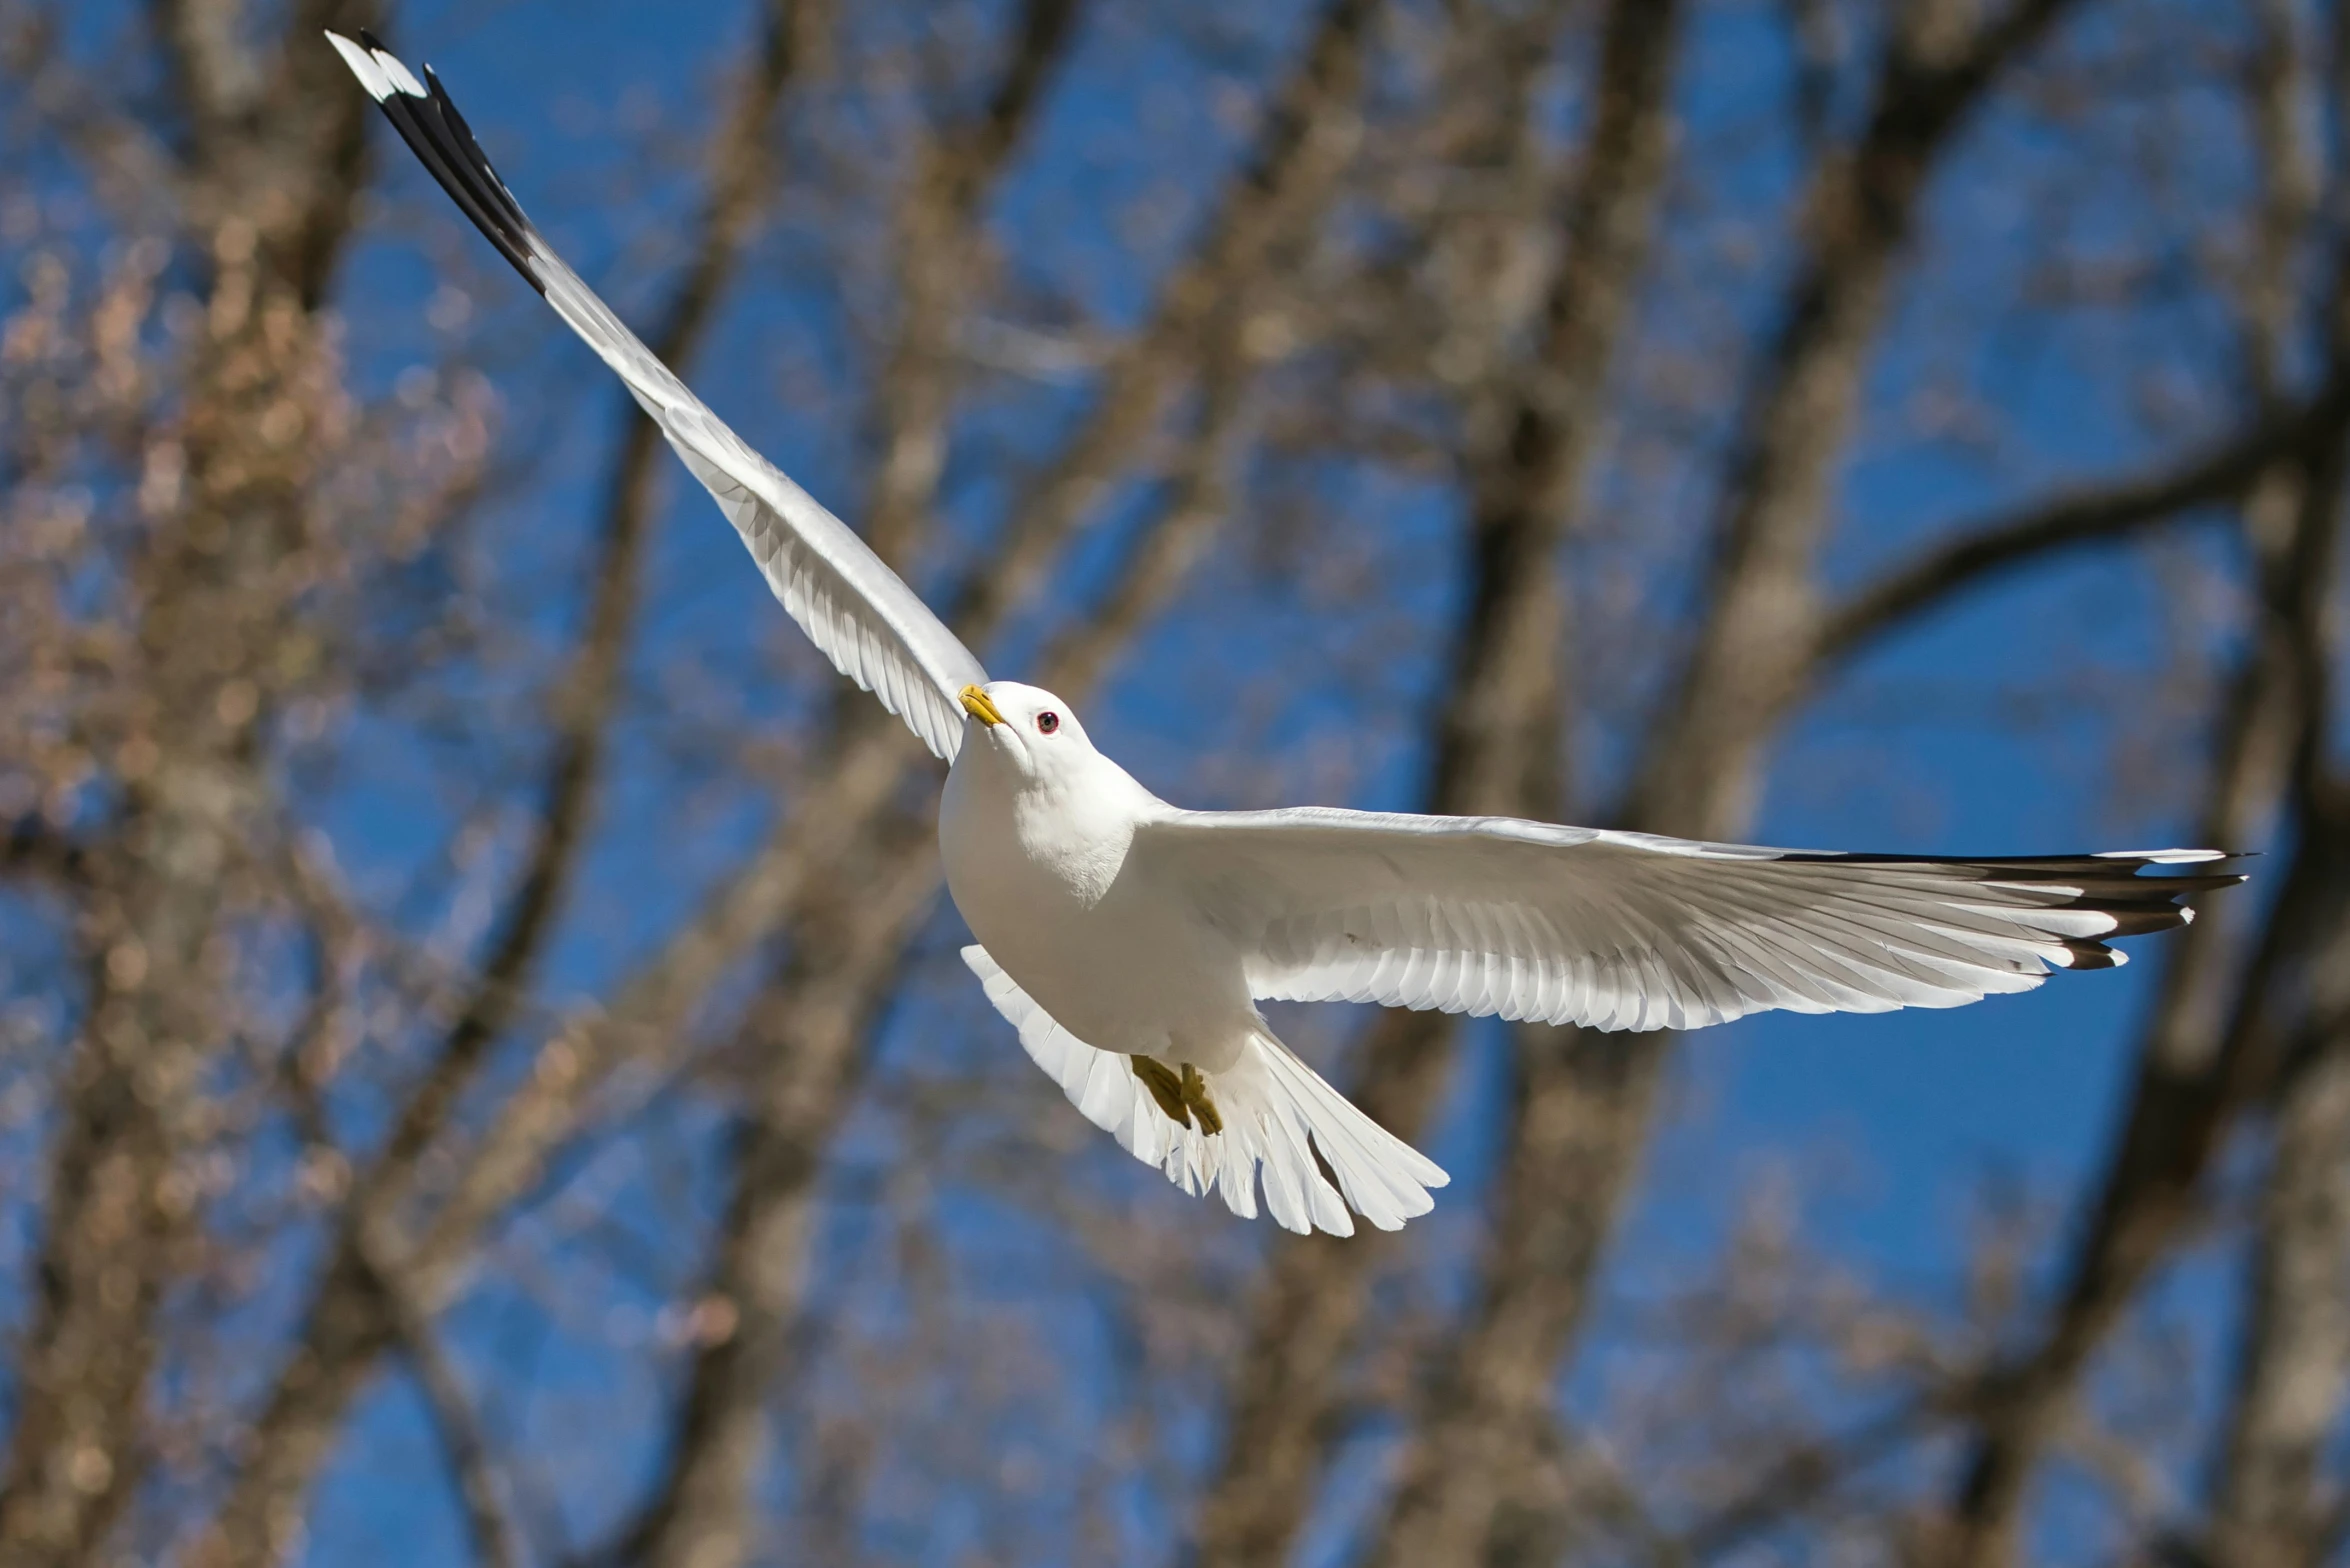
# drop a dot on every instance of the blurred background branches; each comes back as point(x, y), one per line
point(483, 1071)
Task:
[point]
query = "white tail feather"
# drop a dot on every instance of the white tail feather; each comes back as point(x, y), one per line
point(1277, 1113)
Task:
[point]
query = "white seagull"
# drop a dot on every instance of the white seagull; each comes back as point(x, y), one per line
point(1128, 940)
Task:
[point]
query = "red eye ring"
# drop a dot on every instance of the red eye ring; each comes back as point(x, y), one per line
point(1047, 722)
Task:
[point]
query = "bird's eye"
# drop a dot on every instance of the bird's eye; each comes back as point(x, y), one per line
point(1048, 722)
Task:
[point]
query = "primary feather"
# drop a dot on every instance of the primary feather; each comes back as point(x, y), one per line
point(851, 605)
point(1491, 915)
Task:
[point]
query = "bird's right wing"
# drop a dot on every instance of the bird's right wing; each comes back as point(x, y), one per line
point(1630, 930)
point(864, 618)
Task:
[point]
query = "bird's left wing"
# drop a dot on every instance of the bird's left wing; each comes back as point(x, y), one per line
point(858, 611)
point(1528, 920)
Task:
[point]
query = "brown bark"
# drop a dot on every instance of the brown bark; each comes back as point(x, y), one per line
point(938, 251)
point(2272, 1503)
point(1281, 1417)
point(1159, 563)
point(1468, 1490)
point(350, 1322)
point(1578, 1124)
point(1311, 130)
point(2213, 1041)
point(1762, 619)
point(2092, 515)
point(810, 1025)
point(1497, 750)
point(495, 1534)
point(268, 206)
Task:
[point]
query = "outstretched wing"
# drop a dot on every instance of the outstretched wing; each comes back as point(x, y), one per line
point(1632, 931)
point(866, 620)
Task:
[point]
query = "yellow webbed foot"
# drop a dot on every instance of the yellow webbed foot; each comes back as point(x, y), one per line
point(1165, 1087)
point(1195, 1095)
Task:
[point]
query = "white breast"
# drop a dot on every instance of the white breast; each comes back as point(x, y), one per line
point(1039, 871)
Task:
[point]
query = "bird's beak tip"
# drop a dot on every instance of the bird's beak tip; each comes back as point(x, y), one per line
point(980, 706)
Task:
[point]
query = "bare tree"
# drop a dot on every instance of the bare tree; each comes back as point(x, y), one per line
point(478, 1024)
point(221, 557)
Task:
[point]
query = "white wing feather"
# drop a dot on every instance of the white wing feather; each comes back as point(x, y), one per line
point(856, 610)
point(1490, 915)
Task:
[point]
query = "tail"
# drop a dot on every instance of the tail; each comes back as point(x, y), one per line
point(1278, 1115)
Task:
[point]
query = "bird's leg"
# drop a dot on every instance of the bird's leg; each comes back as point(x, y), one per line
point(1164, 1086)
point(1195, 1095)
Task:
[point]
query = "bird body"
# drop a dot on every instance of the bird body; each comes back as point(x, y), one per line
point(1037, 832)
point(1128, 940)
point(1113, 970)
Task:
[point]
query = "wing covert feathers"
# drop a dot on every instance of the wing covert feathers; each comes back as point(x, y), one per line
point(856, 610)
point(1278, 1115)
point(1531, 921)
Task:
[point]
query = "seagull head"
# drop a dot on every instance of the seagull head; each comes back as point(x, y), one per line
point(1029, 729)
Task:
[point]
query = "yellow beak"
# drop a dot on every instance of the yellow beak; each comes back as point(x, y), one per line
point(976, 703)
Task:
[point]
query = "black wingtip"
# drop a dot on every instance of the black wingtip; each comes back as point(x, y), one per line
point(372, 44)
point(2109, 885)
point(444, 144)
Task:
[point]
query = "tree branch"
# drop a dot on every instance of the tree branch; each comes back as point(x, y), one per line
point(2096, 514)
point(1310, 132)
point(1698, 771)
point(35, 848)
point(265, 203)
point(589, 689)
point(498, 1540)
point(345, 1326)
point(2213, 1043)
point(938, 240)
point(2270, 1501)
point(1496, 748)
point(2211, 1046)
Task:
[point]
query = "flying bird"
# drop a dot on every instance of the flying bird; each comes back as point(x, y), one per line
point(1128, 941)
